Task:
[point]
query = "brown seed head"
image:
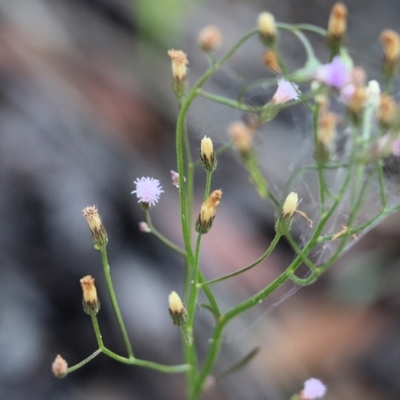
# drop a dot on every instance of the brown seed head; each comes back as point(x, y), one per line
point(96, 227)
point(179, 64)
point(386, 111)
point(59, 367)
point(91, 303)
point(337, 24)
point(209, 38)
point(391, 45)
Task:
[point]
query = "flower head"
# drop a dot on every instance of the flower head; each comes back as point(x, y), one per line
point(209, 38)
point(313, 389)
point(334, 74)
point(96, 227)
point(59, 367)
point(91, 303)
point(177, 310)
point(286, 91)
point(148, 190)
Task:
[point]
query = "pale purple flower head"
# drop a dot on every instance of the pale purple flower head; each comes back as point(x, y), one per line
point(175, 178)
point(334, 74)
point(148, 190)
point(286, 91)
point(313, 389)
point(395, 150)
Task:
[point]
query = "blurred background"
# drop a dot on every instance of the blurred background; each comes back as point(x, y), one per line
point(86, 107)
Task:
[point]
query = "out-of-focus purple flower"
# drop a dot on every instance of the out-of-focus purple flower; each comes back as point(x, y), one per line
point(286, 91)
point(148, 190)
point(313, 389)
point(334, 74)
point(396, 147)
point(175, 178)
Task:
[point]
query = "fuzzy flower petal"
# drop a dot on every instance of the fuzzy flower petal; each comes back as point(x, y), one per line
point(334, 74)
point(313, 389)
point(148, 190)
point(286, 91)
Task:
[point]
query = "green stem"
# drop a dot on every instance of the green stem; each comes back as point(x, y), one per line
point(114, 301)
point(85, 361)
point(240, 271)
point(162, 238)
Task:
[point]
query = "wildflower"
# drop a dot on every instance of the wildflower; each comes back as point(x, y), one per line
point(270, 60)
point(313, 389)
point(391, 52)
point(357, 103)
point(337, 27)
point(148, 191)
point(286, 91)
point(96, 227)
point(175, 178)
point(207, 154)
point(325, 135)
point(91, 303)
point(267, 28)
point(179, 62)
point(207, 213)
point(143, 227)
point(59, 367)
point(386, 111)
point(334, 74)
point(209, 38)
point(177, 310)
point(242, 136)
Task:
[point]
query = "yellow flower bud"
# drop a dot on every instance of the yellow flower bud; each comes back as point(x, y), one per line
point(177, 310)
point(96, 227)
point(267, 28)
point(207, 154)
point(207, 213)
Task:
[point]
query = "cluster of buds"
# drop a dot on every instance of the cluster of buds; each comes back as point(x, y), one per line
point(207, 154)
point(90, 301)
point(391, 53)
point(177, 310)
point(96, 227)
point(337, 26)
point(207, 213)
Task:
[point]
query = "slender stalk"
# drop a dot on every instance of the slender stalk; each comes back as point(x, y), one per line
point(162, 238)
point(114, 301)
point(85, 361)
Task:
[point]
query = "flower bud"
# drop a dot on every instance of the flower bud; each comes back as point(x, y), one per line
point(337, 26)
point(207, 213)
point(96, 227)
point(143, 227)
point(284, 221)
point(357, 103)
point(209, 38)
point(386, 111)
point(59, 367)
point(267, 28)
point(270, 60)
point(325, 135)
point(179, 64)
point(207, 154)
point(391, 52)
point(176, 309)
point(91, 304)
point(242, 137)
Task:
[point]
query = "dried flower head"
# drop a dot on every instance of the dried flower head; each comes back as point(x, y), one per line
point(91, 303)
point(267, 28)
point(313, 389)
point(242, 137)
point(386, 111)
point(96, 227)
point(207, 213)
point(391, 52)
point(177, 310)
point(337, 27)
point(286, 91)
point(179, 64)
point(59, 367)
point(209, 38)
point(334, 74)
point(270, 60)
point(357, 103)
point(207, 154)
point(148, 191)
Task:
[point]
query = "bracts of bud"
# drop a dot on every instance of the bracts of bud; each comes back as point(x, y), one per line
point(177, 310)
point(337, 27)
point(207, 213)
point(207, 154)
point(391, 53)
point(91, 303)
point(59, 367)
point(96, 227)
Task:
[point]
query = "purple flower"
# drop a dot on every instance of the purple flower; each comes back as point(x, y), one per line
point(175, 178)
point(286, 91)
point(313, 389)
point(148, 190)
point(334, 74)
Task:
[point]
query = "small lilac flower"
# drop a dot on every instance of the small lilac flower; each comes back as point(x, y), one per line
point(148, 190)
point(334, 74)
point(313, 389)
point(286, 91)
point(175, 178)
point(395, 150)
